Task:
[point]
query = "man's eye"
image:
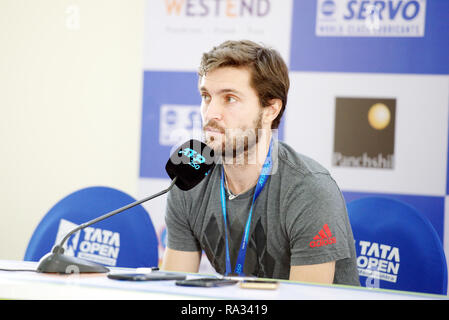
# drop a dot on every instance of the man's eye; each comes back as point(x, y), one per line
point(205, 97)
point(230, 99)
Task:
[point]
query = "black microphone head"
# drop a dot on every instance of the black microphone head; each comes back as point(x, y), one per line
point(190, 163)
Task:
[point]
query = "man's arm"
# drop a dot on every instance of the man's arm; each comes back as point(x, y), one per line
point(183, 261)
point(318, 273)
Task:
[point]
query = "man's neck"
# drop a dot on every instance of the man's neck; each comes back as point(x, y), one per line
point(243, 176)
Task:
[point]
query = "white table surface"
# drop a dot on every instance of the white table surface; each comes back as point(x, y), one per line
point(39, 286)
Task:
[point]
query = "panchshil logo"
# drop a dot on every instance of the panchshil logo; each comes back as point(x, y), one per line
point(364, 132)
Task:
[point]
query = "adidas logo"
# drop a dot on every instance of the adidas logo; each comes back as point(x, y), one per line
point(323, 238)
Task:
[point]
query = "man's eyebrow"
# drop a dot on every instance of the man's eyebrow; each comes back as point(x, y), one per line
point(221, 91)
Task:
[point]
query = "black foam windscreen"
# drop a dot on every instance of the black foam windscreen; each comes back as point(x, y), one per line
point(190, 163)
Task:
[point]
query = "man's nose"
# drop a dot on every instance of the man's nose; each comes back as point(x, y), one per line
point(213, 111)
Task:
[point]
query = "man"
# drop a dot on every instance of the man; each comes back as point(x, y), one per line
point(264, 210)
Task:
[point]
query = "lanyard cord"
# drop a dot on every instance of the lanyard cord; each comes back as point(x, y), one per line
point(266, 170)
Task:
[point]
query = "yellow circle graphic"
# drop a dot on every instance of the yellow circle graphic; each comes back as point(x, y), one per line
point(379, 116)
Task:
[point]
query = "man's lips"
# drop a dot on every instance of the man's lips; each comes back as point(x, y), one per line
point(213, 130)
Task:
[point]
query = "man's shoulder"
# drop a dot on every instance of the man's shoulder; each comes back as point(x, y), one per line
point(291, 160)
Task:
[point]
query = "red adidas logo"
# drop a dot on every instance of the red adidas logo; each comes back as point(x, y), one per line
point(323, 238)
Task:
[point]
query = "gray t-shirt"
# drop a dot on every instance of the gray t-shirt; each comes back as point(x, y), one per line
point(299, 218)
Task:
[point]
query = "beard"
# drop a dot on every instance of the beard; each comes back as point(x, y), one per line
point(235, 145)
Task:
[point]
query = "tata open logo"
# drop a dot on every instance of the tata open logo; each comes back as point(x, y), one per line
point(371, 18)
point(364, 133)
point(378, 261)
point(93, 244)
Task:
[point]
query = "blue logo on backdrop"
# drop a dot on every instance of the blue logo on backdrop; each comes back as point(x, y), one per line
point(178, 123)
point(170, 116)
point(370, 36)
point(327, 8)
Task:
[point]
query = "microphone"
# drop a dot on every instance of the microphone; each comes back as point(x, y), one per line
point(189, 164)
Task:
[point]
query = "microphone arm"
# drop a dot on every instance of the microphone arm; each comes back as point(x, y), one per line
point(57, 262)
point(112, 213)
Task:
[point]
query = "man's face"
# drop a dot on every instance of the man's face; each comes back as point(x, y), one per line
point(230, 110)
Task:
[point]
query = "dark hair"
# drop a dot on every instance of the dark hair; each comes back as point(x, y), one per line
point(269, 73)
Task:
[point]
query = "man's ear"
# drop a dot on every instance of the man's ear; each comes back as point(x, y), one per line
point(272, 110)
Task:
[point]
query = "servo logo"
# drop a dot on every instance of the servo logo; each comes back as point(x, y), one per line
point(378, 261)
point(371, 18)
point(364, 133)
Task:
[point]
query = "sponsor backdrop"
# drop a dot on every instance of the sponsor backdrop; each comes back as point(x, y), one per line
point(369, 93)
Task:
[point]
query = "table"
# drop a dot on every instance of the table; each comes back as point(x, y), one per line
point(39, 286)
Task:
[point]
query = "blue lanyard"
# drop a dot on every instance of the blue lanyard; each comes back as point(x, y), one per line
point(266, 170)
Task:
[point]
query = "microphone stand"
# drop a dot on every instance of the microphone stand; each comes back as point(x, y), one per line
point(57, 262)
